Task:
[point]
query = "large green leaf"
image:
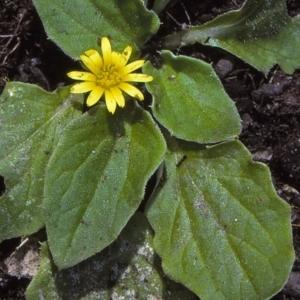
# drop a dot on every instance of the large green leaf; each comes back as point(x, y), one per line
point(95, 179)
point(31, 121)
point(126, 269)
point(261, 33)
point(190, 101)
point(220, 227)
point(77, 25)
point(263, 53)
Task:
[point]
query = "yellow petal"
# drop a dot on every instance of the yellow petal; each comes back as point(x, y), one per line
point(110, 101)
point(137, 77)
point(117, 60)
point(131, 90)
point(94, 96)
point(106, 51)
point(82, 76)
point(126, 54)
point(131, 67)
point(90, 64)
point(95, 57)
point(118, 96)
point(82, 87)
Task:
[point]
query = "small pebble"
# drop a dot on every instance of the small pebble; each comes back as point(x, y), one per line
point(224, 67)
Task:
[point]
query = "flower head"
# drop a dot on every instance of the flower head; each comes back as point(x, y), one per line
point(110, 76)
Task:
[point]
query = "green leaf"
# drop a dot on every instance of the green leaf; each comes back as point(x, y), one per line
point(190, 101)
point(96, 178)
point(43, 284)
point(260, 52)
point(220, 227)
point(31, 121)
point(260, 33)
point(77, 25)
point(255, 19)
point(127, 269)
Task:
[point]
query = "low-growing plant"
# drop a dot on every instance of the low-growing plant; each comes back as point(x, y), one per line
point(80, 170)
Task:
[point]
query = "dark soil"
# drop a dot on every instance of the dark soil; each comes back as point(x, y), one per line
point(269, 106)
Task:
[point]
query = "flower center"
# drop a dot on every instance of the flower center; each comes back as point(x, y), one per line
point(109, 77)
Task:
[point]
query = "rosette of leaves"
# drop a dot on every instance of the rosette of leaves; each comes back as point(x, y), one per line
point(218, 225)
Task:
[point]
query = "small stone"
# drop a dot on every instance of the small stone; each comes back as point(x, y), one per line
point(224, 67)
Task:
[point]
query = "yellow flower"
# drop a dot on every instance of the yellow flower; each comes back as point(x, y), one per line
point(109, 76)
